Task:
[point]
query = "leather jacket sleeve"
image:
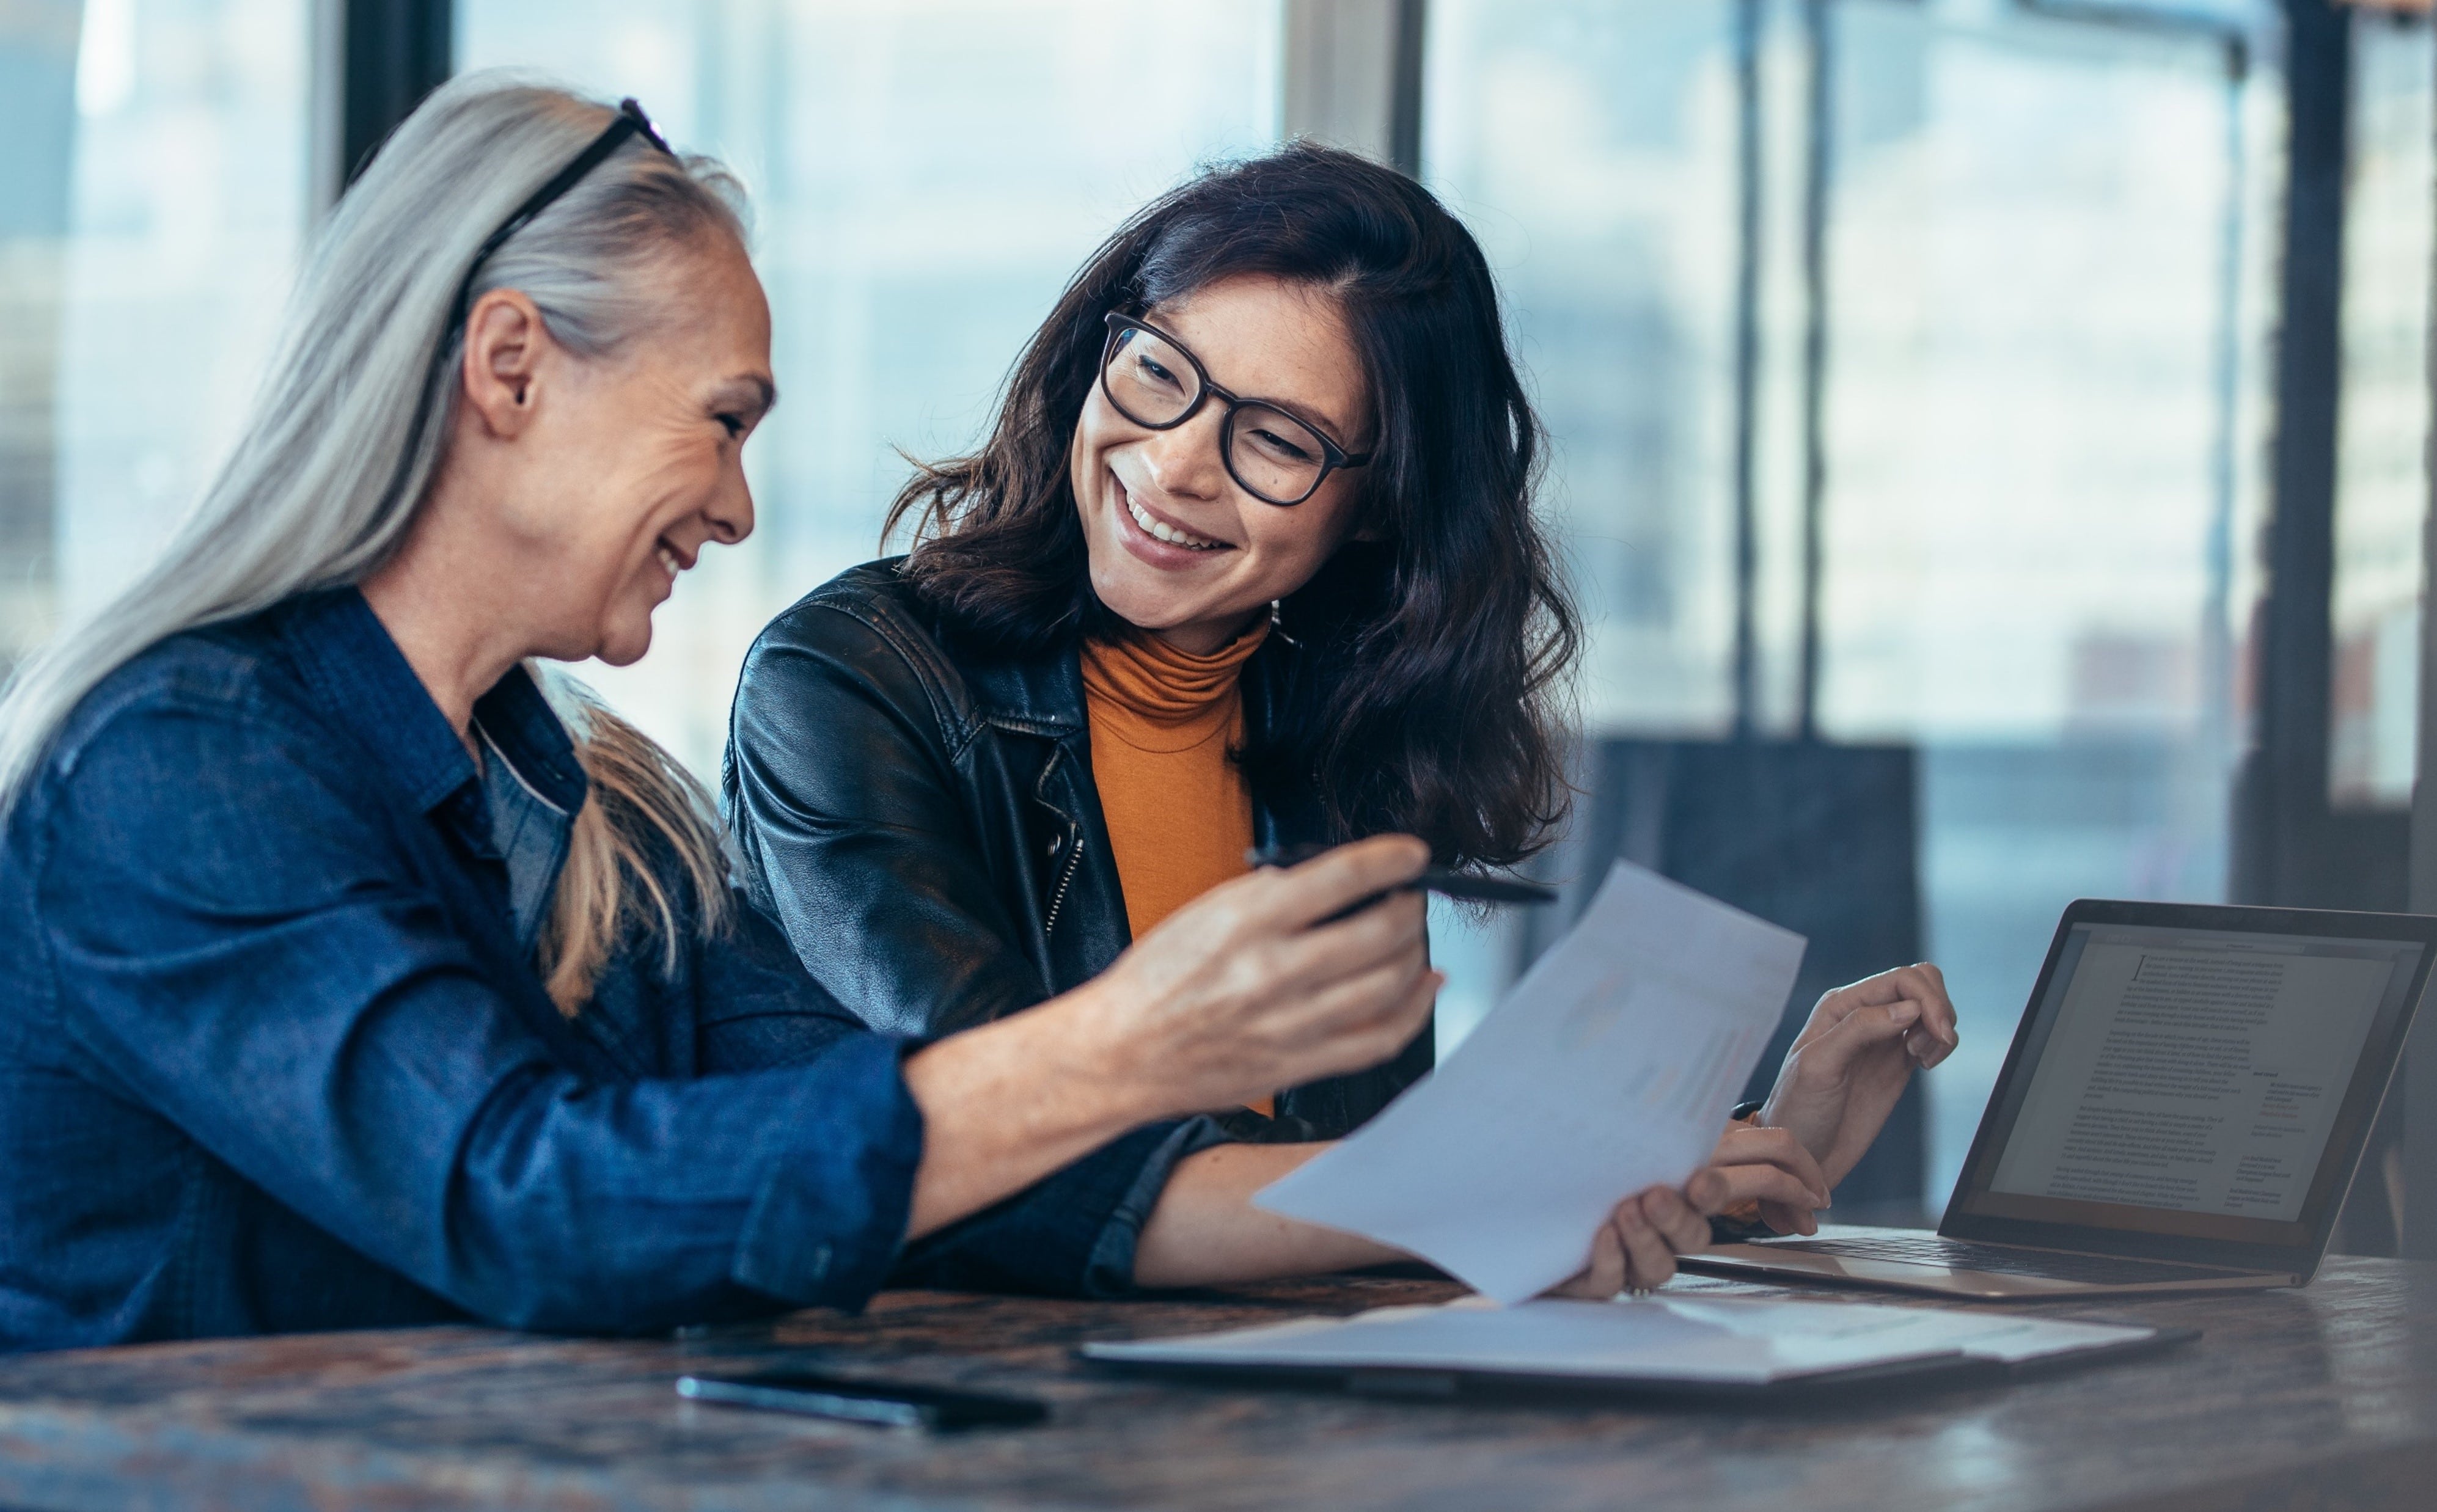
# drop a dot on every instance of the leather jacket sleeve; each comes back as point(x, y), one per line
point(863, 854)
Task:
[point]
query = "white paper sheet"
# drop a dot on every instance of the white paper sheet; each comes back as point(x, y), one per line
point(1609, 1067)
point(1693, 1339)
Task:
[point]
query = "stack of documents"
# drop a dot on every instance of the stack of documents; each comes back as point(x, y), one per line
point(1669, 1341)
point(1610, 1067)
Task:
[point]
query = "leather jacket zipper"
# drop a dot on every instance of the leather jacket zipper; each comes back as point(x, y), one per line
point(1074, 840)
point(1066, 880)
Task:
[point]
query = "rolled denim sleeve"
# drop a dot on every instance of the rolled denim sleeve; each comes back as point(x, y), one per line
point(1111, 1269)
point(285, 996)
point(1070, 1234)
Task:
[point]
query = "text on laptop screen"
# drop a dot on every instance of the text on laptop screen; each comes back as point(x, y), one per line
point(2186, 1071)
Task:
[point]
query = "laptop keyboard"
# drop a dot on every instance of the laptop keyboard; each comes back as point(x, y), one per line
point(1928, 1249)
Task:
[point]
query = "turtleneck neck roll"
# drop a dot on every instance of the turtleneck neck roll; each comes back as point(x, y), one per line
point(1168, 699)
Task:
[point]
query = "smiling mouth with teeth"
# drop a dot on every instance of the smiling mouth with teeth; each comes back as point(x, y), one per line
point(669, 559)
point(1162, 531)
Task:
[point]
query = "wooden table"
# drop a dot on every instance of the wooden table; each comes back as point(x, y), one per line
point(2325, 1397)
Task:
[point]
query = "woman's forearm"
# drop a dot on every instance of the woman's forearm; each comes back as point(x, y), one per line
point(1005, 1105)
point(1262, 981)
point(1205, 1230)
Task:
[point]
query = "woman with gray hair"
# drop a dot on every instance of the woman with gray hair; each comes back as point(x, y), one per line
point(354, 973)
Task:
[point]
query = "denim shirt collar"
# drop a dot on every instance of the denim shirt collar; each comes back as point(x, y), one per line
point(525, 732)
point(358, 672)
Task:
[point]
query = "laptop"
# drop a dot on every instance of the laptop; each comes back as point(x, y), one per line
point(2183, 1110)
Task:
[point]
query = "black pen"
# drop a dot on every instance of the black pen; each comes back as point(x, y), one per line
point(1470, 887)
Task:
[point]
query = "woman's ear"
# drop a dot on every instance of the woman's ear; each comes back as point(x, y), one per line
point(504, 336)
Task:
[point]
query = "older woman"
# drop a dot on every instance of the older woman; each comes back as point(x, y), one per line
point(346, 980)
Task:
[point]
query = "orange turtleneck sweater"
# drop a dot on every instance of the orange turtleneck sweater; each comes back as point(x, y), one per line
point(1179, 817)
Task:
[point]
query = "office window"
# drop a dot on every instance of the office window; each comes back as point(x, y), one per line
point(37, 48)
point(150, 225)
point(1591, 148)
point(926, 176)
point(2048, 369)
point(2047, 247)
point(2382, 479)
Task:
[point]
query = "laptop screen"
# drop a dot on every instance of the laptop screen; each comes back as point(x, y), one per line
point(2191, 1082)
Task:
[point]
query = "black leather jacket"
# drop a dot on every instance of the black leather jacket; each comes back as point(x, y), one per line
point(917, 809)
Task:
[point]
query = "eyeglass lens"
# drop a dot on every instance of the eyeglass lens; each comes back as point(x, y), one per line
point(1276, 457)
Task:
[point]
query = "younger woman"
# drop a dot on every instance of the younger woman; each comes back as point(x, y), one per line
point(1248, 559)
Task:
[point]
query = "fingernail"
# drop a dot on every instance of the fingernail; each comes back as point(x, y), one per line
point(1904, 1013)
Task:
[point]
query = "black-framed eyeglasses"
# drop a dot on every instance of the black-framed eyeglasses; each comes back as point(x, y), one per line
point(1154, 381)
point(629, 121)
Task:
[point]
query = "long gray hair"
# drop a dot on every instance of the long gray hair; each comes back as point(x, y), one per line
point(347, 433)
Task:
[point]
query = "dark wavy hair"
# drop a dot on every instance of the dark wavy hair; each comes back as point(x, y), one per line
point(1428, 691)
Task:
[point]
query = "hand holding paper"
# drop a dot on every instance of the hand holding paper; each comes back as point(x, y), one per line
point(1609, 1067)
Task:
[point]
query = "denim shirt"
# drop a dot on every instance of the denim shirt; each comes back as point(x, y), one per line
point(274, 1054)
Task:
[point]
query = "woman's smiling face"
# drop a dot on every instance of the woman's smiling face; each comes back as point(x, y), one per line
point(1176, 545)
point(630, 464)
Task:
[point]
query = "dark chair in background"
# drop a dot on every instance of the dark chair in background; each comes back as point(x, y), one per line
point(1820, 839)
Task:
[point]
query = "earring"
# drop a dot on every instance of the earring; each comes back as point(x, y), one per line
point(1278, 625)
